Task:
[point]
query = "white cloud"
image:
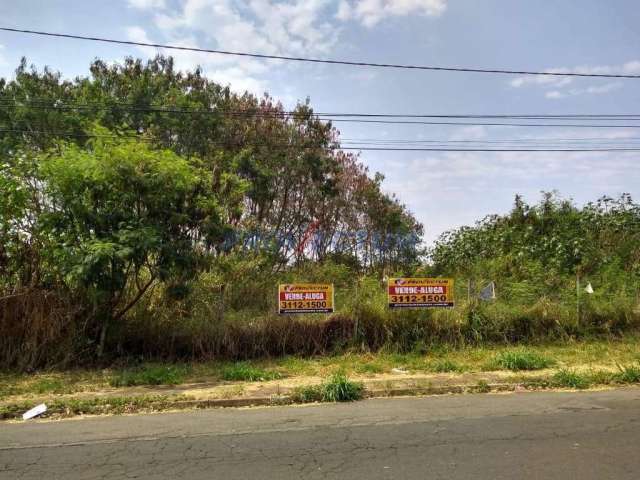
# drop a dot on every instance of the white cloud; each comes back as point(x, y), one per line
point(471, 185)
point(555, 94)
point(240, 76)
point(259, 26)
point(629, 68)
point(371, 12)
point(147, 4)
point(269, 27)
point(344, 10)
point(272, 27)
point(591, 90)
point(559, 87)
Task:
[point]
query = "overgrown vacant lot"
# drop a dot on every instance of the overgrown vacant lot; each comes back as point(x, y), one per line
point(565, 358)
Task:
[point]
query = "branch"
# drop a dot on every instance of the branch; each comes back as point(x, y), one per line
point(138, 296)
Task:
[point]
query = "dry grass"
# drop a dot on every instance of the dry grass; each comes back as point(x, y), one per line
point(596, 354)
point(41, 327)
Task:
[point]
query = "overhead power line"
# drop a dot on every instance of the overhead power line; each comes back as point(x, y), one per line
point(318, 60)
point(336, 147)
point(57, 104)
point(352, 117)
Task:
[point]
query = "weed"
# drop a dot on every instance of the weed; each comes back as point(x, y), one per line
point(443, 366)
point(307, 394)
point(369, 368)
point(340, 389)
point(601, 377)
point(95, 406)
point(571, 379)
point(233, 391)
point(482, 387)
point(628, 374)
point(522, 360)
point(149, 375)
point(50, 385)
point(247, 372)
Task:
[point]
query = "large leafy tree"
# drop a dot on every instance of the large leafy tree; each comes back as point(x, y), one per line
point(120, 217)
point(279, 173)
point(553, 234)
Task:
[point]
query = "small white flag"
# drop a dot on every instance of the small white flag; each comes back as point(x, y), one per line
point(588, 288)
point(34, 412)
point(488, 292)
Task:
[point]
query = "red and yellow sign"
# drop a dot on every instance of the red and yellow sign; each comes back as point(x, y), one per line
point(420, 292)
point(305, 298)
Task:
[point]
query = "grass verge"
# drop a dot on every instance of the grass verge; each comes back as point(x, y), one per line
point(95, 406)
point(244, 371)
point(595, 354)
point(337, 388)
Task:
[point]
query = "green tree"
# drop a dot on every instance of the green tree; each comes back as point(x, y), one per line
point(121, 217)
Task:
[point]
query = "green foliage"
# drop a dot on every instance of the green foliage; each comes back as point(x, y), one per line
point(50, 385)
point(370, 368)
point(247, 372)
point(571, 379)
point(149, 375)
point(482, 387)
point(628, 374)
point(169, 244)
point(522, 360)
point(338, 388)
point(533, 249)
point(445, 366)
point(95, 406)
point(307, 394)
point(107, 205)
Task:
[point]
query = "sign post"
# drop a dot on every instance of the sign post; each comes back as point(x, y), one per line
point(420, 292)
point(305, 298)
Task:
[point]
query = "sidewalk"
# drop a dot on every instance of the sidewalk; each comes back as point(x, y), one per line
point(276, 392)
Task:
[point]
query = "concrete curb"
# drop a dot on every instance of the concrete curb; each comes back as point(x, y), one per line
point(285, 399)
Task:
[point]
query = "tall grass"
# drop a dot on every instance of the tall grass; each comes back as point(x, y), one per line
point(337, 388)
point(240, 322)
point(522, 360)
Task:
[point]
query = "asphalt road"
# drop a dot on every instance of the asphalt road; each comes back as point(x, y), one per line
point(589, 435)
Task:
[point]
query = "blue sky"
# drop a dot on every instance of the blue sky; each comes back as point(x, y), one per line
point(444, 190)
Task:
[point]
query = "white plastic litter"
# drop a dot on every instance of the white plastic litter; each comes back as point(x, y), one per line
point(34, 412)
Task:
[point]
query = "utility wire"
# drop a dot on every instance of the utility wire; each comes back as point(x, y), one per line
point(318, 60)
point(398, 122)
point(53, 104)
point(338, 147)
point(506, 140)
